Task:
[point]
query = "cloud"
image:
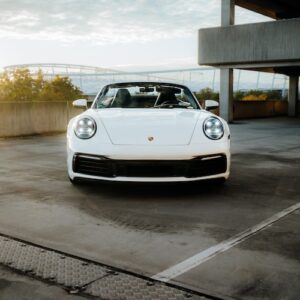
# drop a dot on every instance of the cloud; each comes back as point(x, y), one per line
point(108, 21)
point(105, 21)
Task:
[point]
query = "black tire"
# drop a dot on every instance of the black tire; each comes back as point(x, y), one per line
point(74, 181)
point(219, 181)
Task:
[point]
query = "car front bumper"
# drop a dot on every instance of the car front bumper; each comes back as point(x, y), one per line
point(161, 164)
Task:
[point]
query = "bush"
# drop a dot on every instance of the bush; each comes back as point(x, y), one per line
point(19, 85)
point(207, 94)
point(250, 95)
point(258, 95)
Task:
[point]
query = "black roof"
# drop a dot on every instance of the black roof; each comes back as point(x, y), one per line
point(150, 83)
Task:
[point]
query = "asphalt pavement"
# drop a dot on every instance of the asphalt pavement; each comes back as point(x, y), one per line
point(240, 240)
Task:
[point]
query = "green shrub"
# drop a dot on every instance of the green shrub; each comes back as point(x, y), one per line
point(249, 95)
point(19, 85)
point(207, 94)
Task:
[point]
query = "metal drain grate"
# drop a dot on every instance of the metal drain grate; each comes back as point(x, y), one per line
point(81, 276)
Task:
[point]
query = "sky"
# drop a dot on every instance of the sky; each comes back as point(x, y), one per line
point(107, 33)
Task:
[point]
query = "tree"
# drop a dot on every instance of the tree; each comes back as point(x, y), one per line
point(4, 86)
point(38, 85)
point(19, 85)
point(60, 89)
point(207, 94)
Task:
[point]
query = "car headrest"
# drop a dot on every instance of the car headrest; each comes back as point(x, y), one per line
point(166, 96)
point(122, 98)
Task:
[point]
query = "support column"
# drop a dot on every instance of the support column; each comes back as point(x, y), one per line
point(293, 96)
point(226, 75)
point(226, 94)
point(227, 12)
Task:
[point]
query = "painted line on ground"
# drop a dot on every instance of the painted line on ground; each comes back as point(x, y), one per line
point(211, 252)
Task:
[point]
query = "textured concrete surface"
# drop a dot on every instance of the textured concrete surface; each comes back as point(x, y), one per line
point(15, 286)
point(148, 228)
point(81, 277)
point(28, 118)
point(247, 44)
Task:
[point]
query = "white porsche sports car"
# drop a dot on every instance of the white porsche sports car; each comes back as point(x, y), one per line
point(147, 132)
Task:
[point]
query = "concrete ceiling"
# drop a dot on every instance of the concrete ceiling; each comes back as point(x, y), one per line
point(276, 9)
point(289, 70)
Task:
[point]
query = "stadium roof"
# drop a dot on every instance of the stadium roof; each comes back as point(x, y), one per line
point(58, 65)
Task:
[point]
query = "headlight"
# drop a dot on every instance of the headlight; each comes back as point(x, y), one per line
point(85, 128)
point(213, 128)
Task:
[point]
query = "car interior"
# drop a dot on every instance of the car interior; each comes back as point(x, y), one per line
point(145, 97)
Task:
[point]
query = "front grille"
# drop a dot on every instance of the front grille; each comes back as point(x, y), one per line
point(92, 165)
point(105, 167)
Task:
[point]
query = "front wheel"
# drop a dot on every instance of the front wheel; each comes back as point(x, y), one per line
point(74, 181)
point(219, 181)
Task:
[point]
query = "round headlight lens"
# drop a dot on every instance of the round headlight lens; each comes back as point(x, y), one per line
point(213, 128)
point(85, 128)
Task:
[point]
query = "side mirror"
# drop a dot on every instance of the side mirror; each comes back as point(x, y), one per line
point(211, 104)
point(80, 103)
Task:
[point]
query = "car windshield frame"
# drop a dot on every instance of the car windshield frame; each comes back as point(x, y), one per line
point(186, 100)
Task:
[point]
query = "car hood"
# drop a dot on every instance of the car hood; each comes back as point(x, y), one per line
point(148, 126)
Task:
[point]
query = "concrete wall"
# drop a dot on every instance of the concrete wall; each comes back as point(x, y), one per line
point(257, 109)
point(267, 42)
point(28, 118)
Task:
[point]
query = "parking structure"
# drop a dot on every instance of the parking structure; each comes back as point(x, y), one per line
point(239, 241)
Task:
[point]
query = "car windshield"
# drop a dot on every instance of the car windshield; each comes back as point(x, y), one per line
point(146, 95)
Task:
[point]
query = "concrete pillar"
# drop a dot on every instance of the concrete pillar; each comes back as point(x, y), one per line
point(227, 12)
point(293, 96)
point(226, 94)
point(226, 75)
